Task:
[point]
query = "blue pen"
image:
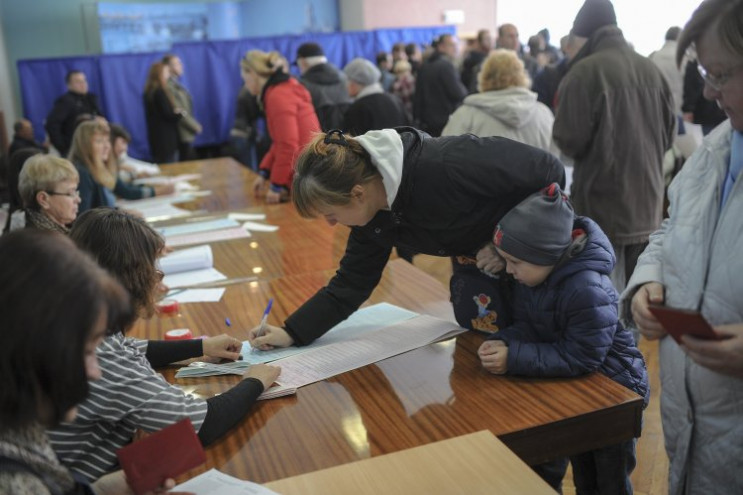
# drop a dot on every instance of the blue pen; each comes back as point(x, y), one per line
point(262, 328)
point(227, 322)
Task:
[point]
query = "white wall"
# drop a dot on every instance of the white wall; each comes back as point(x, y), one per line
point(644, 22)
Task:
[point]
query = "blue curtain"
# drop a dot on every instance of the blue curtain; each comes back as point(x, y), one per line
point(211, 73)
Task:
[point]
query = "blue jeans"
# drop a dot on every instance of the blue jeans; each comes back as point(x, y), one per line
point(605, 471)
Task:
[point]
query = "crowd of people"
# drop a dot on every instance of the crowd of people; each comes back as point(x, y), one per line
point(426, 151)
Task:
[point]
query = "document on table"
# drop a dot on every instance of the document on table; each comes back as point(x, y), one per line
point(160, 211)
point(166, 179)
point(186, 260)
point(246, 216)
point(333, 359)
point(214, 482)
point(260, 227)
point(198, 295)
point(194, 277)
point(364, 320)
point(195, 227)
point(209, 236)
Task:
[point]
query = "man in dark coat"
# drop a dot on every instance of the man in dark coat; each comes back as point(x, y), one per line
point(23, 137)
point(326, 84)
point(373, 108)
point(615, 118)
point(62, 120)
point(438, 90)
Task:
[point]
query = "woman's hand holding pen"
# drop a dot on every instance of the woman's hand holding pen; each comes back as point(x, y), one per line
point(222, 346)
point(266, 373)
point(269, 338)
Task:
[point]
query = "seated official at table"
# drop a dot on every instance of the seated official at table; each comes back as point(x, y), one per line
point(56, 304)
point(131, 396)
point(402, 188)
point(48, 188)
point(99, 183)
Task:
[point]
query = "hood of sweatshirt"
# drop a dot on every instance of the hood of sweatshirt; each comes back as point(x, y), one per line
point(515, 107)
point(386, 151)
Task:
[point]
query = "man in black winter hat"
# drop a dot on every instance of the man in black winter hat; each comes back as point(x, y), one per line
point(326, 84)
point(615, 118)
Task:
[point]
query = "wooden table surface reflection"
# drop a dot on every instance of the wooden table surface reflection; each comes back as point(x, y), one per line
point(433, 393)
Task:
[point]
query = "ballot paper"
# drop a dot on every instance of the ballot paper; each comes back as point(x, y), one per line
point(333, 359)
point(363, 320)
point(246, 216)
point(214, 482)
point(260, 227)
point(209, 236)
point(187, 267)
point(165, 179)
point(196, 227)
point(184, 296)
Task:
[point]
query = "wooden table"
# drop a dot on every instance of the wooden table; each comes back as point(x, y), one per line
point(434, 393)
point(477, 463)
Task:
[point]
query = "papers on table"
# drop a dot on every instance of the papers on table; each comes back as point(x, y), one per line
point(333, 359)
point(364, 320)
point(260, 227)
point(139, 166)
point(210, 236)
point(214, 482)
point(165, 180)
point(188, 267)
point(200, 368)
point(196, 295)
point(246, 216)
point(195, 227)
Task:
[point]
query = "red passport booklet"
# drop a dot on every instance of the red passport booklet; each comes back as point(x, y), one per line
point(678, 322)
point(164, 454)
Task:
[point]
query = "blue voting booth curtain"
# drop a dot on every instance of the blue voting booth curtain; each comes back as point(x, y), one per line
point(211, 73)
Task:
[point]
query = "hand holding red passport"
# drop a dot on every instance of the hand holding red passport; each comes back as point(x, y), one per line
point(165, 454)
point(678, 322)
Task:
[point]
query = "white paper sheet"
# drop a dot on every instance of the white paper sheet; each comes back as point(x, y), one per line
point(333, 359)
point(154, 213)
point(246, 216)
point(364, 320)
point(214, 482)
point(194, 227)
point(206, 237)
point(164, 179)
point(194, 277)
point(184, 260)
point(199, 295)
point(260, 227)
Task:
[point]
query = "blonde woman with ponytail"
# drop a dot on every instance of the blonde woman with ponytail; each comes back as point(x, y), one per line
point(290, 117)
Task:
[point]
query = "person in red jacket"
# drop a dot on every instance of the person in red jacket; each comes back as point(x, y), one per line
point(290, 117)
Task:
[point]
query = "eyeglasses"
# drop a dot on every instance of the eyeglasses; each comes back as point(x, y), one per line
point(74, 195)
point(159, 275)
point(717, 82)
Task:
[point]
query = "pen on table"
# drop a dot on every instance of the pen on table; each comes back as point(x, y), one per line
point(262, 327)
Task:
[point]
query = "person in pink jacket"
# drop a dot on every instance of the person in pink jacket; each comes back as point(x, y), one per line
point(290, 117)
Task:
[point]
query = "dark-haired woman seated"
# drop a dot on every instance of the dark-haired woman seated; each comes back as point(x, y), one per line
point(131, 395)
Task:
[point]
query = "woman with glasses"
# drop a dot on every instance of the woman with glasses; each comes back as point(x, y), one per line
point(131, 395)
point(48, 188)
point(693, 262)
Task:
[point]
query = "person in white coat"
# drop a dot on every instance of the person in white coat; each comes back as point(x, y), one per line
point(693, 262)
point(504, 106)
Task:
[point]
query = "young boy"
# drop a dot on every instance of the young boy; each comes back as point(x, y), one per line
point(565, 320)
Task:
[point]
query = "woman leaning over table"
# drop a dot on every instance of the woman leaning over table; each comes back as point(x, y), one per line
point(48, 188)
point(290, 118)
point(693, 262)
point(402, 188)
point(131, 395)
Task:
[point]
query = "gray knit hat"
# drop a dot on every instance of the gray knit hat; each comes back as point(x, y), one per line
point(363, 72)
point(539, 229)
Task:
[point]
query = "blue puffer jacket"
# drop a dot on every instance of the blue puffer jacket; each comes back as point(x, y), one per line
point(568, 325)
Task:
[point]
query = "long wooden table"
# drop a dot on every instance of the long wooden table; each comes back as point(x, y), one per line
point(433, 393)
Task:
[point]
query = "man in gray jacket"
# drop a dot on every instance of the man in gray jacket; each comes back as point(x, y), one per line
point(615, 119)
point(188, 126)
point(326, 84)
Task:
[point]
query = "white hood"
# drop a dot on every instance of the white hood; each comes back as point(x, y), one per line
point(515, 107)
point(385, 148)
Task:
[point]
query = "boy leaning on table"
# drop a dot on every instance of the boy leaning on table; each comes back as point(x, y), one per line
point(565, 319)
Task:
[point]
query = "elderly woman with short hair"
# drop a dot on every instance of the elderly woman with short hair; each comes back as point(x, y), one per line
point(48, 188)
point(504, 106)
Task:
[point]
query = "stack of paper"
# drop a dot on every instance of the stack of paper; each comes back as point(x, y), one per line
point(199, 368)
point(214, 482)
point(189, 267)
